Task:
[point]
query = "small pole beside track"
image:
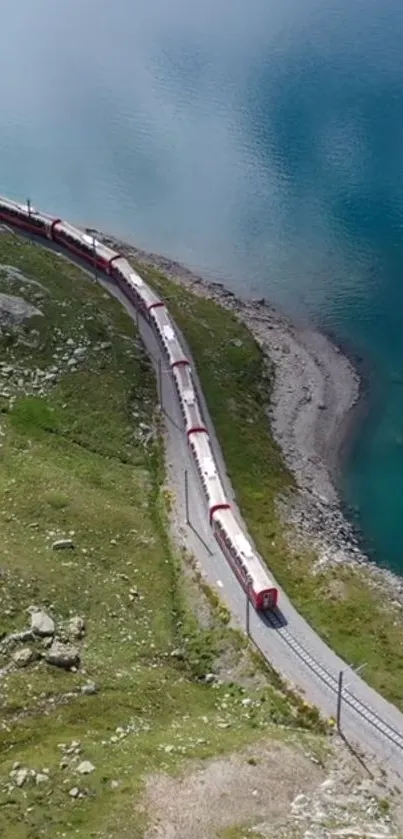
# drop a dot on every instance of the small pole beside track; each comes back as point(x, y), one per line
point(247, 619)
point(340, 691)
point(339, 697)
point(187, 497)
point(29, 206)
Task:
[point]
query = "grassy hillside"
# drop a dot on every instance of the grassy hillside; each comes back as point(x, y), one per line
point(81, 459)
point(340, 603)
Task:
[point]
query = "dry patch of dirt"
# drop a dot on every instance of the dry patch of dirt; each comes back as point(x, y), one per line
point(252, 786)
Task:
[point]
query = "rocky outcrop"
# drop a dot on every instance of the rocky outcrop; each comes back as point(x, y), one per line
point(63, 655)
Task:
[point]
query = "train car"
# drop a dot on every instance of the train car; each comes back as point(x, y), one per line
point(134, 287)
point(104, 256)
point(208, 473)
point(168, 337)
point(84, 245)
point(244, 560)
point(69, 237)
point(25, 217)
point(189, 405)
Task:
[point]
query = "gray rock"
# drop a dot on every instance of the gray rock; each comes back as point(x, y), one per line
point(42, 624)
point(76, 627)
point(63, 655)
point(60, 544)
point(41, 778)
point(85, 767)
point(21, 777)
point(18, 638)
point(22, 658)
point(89, 689)
point(74, 792)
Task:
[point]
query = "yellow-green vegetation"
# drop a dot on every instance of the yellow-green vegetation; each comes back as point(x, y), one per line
point(81, 459)
point(341, 604)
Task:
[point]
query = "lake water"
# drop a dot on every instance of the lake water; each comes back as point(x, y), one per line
point(259, 142)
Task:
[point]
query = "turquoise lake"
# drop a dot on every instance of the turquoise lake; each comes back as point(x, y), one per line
point(261, 143)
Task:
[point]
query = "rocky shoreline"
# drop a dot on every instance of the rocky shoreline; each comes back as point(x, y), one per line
point(314, 403)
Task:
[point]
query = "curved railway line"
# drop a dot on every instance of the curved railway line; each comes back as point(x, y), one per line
point(331, 682)
point(285, 639)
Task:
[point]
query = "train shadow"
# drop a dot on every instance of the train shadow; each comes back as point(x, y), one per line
point(275, 619)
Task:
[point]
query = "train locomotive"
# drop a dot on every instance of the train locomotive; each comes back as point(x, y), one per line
point(239, 552)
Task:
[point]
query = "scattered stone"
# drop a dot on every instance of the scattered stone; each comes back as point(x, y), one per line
point(74, 792)
point(89, 689)
point(85, 768)
point(76, 627)
point(18, 638)
point(63, 655)
point(22, 658)
point(60, 544)
point(42, 624)
point(178, 653)
point(21, 777)
point(41, 777)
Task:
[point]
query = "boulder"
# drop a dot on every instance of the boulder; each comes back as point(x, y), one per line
point(85, 768)
point(42, 624)
point(63, 655)
point(22, 658)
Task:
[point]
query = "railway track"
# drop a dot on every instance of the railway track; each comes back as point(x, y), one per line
point(373, 723)
point(383, 728)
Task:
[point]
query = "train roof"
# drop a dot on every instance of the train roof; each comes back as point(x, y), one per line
point(200, 444)
point(185, 378)
point(100, 248)
point(70, 230)
point(260, 575)
point(16, 205)
point(133, 279)
point(169, 335)
point(189, 397)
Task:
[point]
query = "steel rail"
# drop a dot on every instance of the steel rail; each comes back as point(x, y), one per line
point(360, 708)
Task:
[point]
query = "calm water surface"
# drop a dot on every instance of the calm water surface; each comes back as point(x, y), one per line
point(257, 143)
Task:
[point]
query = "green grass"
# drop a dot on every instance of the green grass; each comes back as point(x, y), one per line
point(340, 604)
point(80, 456)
